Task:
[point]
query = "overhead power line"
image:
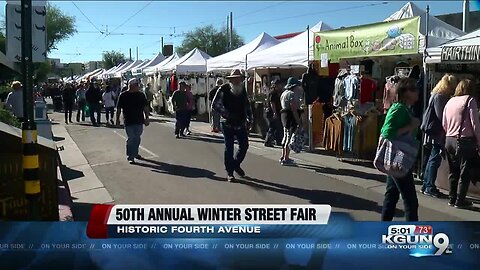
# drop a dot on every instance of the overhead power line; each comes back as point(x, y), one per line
point(86, 17)
point(312, 13)
point(258, 10)
point(129, 18)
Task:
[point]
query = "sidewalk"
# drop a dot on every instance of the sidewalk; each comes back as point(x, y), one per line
point(362, 176)
point(84, 186)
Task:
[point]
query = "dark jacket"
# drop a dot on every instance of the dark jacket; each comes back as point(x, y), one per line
point(93, 95)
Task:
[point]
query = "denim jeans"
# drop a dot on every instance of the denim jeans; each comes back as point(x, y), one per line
point(215, 120)
point(134, 133)
point(406, 187)
point(181, 121)
point(275, 131)
point(232, 162)
point(431, 169)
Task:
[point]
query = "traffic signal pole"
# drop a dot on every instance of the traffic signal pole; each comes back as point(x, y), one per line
point(30, 161)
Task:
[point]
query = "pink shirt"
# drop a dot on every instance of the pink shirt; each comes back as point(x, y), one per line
point(452, 116)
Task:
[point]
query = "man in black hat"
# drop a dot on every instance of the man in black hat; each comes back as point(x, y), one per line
point(231, 102)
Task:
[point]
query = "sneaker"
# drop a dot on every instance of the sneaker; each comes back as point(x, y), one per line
point(434, 194)
point(131, 160)
point(287, 162)
point(451, 201)
point(240, 172)
point(188, 132)
point(463, 204)
point(138, 157)
point(177, 136)
point(230, 178)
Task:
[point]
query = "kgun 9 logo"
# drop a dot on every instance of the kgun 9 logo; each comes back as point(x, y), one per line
point(422, 242)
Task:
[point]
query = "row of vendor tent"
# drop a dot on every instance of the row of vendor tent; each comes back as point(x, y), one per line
point(294, 53)
point(267, 52)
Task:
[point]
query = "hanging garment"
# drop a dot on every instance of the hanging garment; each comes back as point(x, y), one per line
point(349, 133)
point(310, 84)
point(368, 87)
point(325, 89)
point(352, 86)
point(318, 123)
point(333, 134)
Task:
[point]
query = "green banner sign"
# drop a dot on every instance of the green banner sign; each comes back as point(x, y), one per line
point(379, 39)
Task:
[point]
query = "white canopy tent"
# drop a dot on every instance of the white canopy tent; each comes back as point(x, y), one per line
point(194, 61)
point(236, 59)
point(87, 75)
point(434, 55)
point(117, 68)
point(154, 68)
point(294, 52)
point(439, 32)
point(118, 73)
point(156, 60)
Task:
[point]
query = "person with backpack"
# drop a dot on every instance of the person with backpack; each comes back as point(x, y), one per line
point(215, 116)
point(432, 126)
point(273, 107)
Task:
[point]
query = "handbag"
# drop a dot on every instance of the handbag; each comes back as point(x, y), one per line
point(396, 157)
point(297, 141)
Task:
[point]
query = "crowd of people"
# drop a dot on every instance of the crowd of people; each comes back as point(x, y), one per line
point(451, 124)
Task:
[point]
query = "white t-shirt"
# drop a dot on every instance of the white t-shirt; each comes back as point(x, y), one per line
point(14, 102)
point(286, 98)
point(109, 99)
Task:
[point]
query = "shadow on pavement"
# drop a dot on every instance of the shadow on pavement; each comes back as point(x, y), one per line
point(159, 120)
point(58, 139)
point(208, 139)
point(81, 211)
point(335, 199)
point(346, 172)
point(70, 174)
point(178, 170)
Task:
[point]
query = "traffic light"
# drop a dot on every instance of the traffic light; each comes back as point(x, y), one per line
point(83, 66)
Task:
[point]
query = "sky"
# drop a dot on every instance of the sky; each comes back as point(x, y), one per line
point(141, 24)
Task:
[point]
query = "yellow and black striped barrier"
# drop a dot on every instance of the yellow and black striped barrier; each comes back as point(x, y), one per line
point(30, 162)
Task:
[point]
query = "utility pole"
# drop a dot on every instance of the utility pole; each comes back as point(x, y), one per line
point(31, 175)
point(228, 32)
point(466, 15)
point(231, 31)
point(137, 53)
point(161, 44)
point(130, 53)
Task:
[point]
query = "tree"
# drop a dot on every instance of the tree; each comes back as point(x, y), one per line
point(112, 58)
point(210, 40)
point(59, 27)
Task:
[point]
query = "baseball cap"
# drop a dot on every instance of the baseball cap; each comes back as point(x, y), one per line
point(132, 81)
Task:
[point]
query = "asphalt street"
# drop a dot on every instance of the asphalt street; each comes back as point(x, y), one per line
point(191, 171)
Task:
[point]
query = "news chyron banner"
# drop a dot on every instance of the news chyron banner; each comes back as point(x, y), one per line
point(200, 237)
point(218, 221)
